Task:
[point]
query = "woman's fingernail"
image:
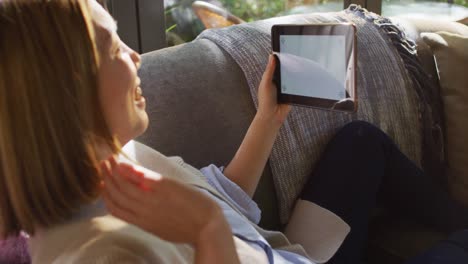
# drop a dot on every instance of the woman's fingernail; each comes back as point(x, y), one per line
point(104, 167)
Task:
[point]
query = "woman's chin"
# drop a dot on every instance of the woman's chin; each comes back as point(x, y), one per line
point(138, 128)
point(143, 123)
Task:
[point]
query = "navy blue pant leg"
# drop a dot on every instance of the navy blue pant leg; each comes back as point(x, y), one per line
point(361, 167)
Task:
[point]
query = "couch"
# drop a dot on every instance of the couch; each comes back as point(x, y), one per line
point(200, 107)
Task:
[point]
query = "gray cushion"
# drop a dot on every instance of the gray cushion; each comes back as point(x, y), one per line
point(197, 101)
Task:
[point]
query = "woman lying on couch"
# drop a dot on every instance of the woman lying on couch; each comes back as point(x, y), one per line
point(70, 97)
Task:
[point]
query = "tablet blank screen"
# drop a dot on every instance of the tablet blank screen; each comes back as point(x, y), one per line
point(313, 65)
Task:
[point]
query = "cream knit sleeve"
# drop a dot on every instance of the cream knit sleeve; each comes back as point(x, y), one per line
point(116, 255)
point(129, 245)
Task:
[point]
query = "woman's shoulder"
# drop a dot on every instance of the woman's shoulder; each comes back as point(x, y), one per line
point(104, 240)
point(171, 167)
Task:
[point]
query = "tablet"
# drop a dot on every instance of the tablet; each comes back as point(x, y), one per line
point(316, 65)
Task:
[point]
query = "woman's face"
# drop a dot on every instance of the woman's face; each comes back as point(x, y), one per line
point(120, 93)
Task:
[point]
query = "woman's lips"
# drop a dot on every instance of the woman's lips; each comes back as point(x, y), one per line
point(138, 94)
point(140, 101)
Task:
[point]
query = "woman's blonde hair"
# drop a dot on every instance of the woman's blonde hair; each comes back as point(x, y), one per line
point(50, 115)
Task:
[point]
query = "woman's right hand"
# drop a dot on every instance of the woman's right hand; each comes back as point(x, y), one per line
point(161, 206)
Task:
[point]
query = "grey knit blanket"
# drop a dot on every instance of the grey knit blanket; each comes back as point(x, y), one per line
point(385, 93)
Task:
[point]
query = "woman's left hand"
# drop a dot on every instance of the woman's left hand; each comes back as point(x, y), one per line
point(162, 206)
point(268, 106)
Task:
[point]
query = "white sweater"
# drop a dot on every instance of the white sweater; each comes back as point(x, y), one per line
point(105, 239)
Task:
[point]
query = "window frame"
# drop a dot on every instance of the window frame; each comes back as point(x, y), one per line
point(136, 20)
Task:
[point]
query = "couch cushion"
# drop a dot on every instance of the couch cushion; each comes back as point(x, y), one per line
point(413, 27)
point(196, 103)
point(451, 54)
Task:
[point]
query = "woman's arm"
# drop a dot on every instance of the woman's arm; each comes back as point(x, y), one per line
point(168, 209)
point(246, 168)
point(216, 244)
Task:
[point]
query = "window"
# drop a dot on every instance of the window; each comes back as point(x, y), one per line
point(149, 24)
point(436, 9)
point(184, 18)
point(141, 23)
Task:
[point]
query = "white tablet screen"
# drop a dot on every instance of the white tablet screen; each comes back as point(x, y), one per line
point(313, 65)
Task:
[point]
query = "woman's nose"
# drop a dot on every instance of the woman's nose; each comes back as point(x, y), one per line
point(136, 59)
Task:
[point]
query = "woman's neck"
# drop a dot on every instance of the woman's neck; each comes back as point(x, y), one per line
point(104, 152)
point(95, 209)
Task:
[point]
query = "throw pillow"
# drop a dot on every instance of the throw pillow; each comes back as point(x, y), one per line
point(451, 55)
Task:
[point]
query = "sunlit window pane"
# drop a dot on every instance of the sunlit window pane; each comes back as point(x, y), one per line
point(185, 19)
point(313, 6)
point(436, 9)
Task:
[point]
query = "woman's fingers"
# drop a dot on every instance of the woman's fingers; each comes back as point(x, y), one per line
point(113, 163)
point(116, 210)
point(267, 89)
point(120, 180)
point(128, 191)
point(168, 209)
point(130, 173)
point(270, 69)
point(118, 199)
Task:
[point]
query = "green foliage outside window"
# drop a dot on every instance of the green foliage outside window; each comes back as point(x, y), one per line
point(261, 9)
point(183, 25)
point(462, 2)
point(250, 11)
point(457, 2)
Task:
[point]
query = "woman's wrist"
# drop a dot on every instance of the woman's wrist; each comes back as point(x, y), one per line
point(270, 121)
point(216, 227)
point(215, 243)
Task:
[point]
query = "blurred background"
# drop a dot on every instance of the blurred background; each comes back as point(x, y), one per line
point(185, 19)
point(147, 25)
